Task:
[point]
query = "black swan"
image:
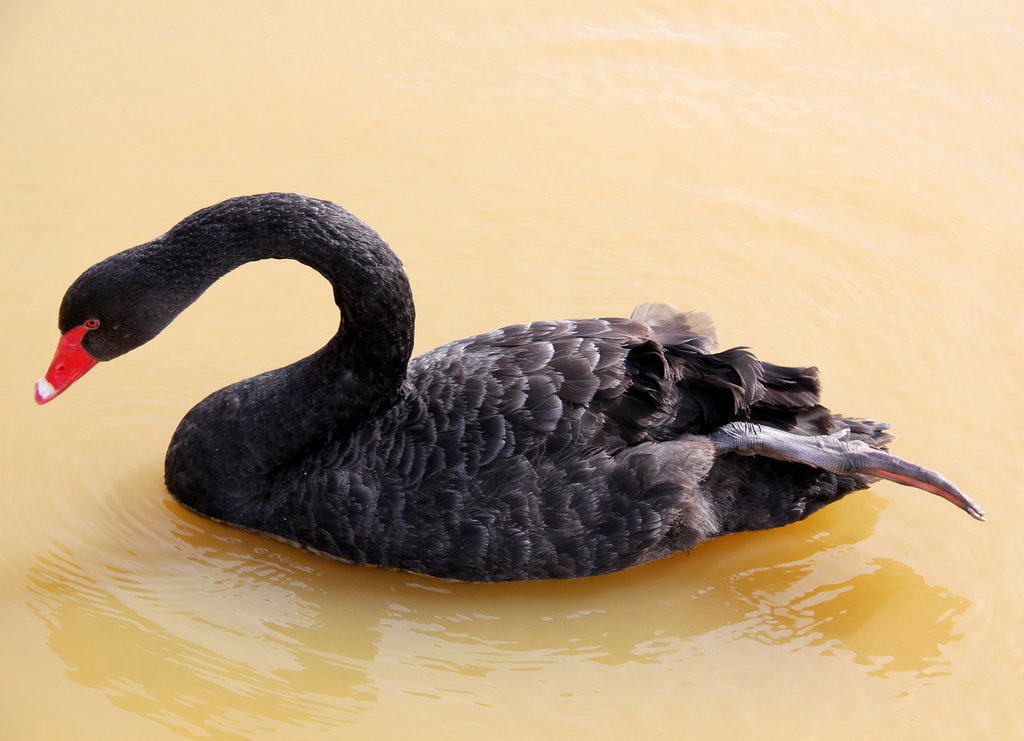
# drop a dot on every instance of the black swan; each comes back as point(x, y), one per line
point(547, 450)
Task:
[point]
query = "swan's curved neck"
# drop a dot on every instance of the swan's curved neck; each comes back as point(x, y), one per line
point(375, 337)
point(232, 440)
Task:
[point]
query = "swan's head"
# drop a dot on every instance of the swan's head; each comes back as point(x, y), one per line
point(112, 308)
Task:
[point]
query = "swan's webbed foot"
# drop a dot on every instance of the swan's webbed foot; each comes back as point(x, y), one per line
point(839, 456)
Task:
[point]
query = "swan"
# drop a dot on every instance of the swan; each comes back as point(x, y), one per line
point(553, 449)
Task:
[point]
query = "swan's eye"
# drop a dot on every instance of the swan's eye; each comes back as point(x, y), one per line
point(92, 323)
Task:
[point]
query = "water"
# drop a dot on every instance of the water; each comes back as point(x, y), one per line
point(837, 184)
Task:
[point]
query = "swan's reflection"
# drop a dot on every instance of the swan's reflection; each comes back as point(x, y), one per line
point(209, 630)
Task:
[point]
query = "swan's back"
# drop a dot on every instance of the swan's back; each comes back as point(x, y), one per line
point(549, 449)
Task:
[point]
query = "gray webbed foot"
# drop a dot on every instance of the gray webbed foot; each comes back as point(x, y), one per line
point(838, 455)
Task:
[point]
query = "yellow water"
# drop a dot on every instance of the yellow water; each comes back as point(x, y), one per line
point(837, 183)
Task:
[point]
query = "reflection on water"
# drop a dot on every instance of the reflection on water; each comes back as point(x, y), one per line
point(854, 616)
point(209, 630)
point(206, 637)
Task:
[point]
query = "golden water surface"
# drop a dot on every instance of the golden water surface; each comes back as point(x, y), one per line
point(838, 183)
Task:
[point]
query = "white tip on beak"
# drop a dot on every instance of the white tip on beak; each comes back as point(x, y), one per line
point(44, 390)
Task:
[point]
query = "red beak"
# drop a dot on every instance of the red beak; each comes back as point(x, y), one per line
point(70, 363)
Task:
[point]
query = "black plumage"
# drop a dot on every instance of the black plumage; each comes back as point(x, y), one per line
point(543, 450)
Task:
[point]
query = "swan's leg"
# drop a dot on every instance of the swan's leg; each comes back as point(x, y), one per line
point(838, 456)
